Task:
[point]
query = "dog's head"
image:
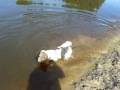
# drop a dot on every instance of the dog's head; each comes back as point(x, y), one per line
point(42, 56)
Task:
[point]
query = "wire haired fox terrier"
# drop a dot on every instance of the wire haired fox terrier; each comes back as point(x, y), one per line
point(64, 51)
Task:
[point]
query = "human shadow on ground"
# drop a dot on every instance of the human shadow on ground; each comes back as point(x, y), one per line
point(45, 77)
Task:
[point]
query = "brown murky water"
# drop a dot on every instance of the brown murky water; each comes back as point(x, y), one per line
point(28, 26)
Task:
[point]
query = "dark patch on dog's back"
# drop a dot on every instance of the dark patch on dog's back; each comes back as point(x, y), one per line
point(64, 51)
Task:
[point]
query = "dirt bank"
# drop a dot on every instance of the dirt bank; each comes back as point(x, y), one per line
point(106, 73)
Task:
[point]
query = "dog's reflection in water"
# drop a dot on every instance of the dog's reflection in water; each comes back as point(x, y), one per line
point(45, 77)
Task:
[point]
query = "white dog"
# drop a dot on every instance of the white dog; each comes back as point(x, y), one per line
point(63, 51)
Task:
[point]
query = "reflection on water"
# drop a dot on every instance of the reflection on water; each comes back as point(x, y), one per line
point(90, 5)
point(29, 26)
point(24, 2)
point(55, 3)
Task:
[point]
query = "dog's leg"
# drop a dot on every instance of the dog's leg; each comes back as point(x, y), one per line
point(67, 56)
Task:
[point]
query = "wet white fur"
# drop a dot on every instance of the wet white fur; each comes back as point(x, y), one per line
point(63, 51)
point(67, 45)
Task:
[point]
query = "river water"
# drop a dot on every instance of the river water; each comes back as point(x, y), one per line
point(28, 26)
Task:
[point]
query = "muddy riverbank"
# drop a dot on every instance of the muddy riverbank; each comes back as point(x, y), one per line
point(105, 73)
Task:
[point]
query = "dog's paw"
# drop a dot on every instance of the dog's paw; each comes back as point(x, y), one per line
point(69, 58)
point(66, 59)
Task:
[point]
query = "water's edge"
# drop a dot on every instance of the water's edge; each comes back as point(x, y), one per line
point(104, 73)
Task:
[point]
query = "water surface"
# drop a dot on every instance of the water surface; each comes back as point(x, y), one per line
point(28, 26)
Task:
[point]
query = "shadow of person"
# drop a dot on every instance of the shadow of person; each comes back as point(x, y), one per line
point(45, 77)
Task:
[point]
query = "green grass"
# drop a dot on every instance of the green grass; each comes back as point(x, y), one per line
point(90, 68)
